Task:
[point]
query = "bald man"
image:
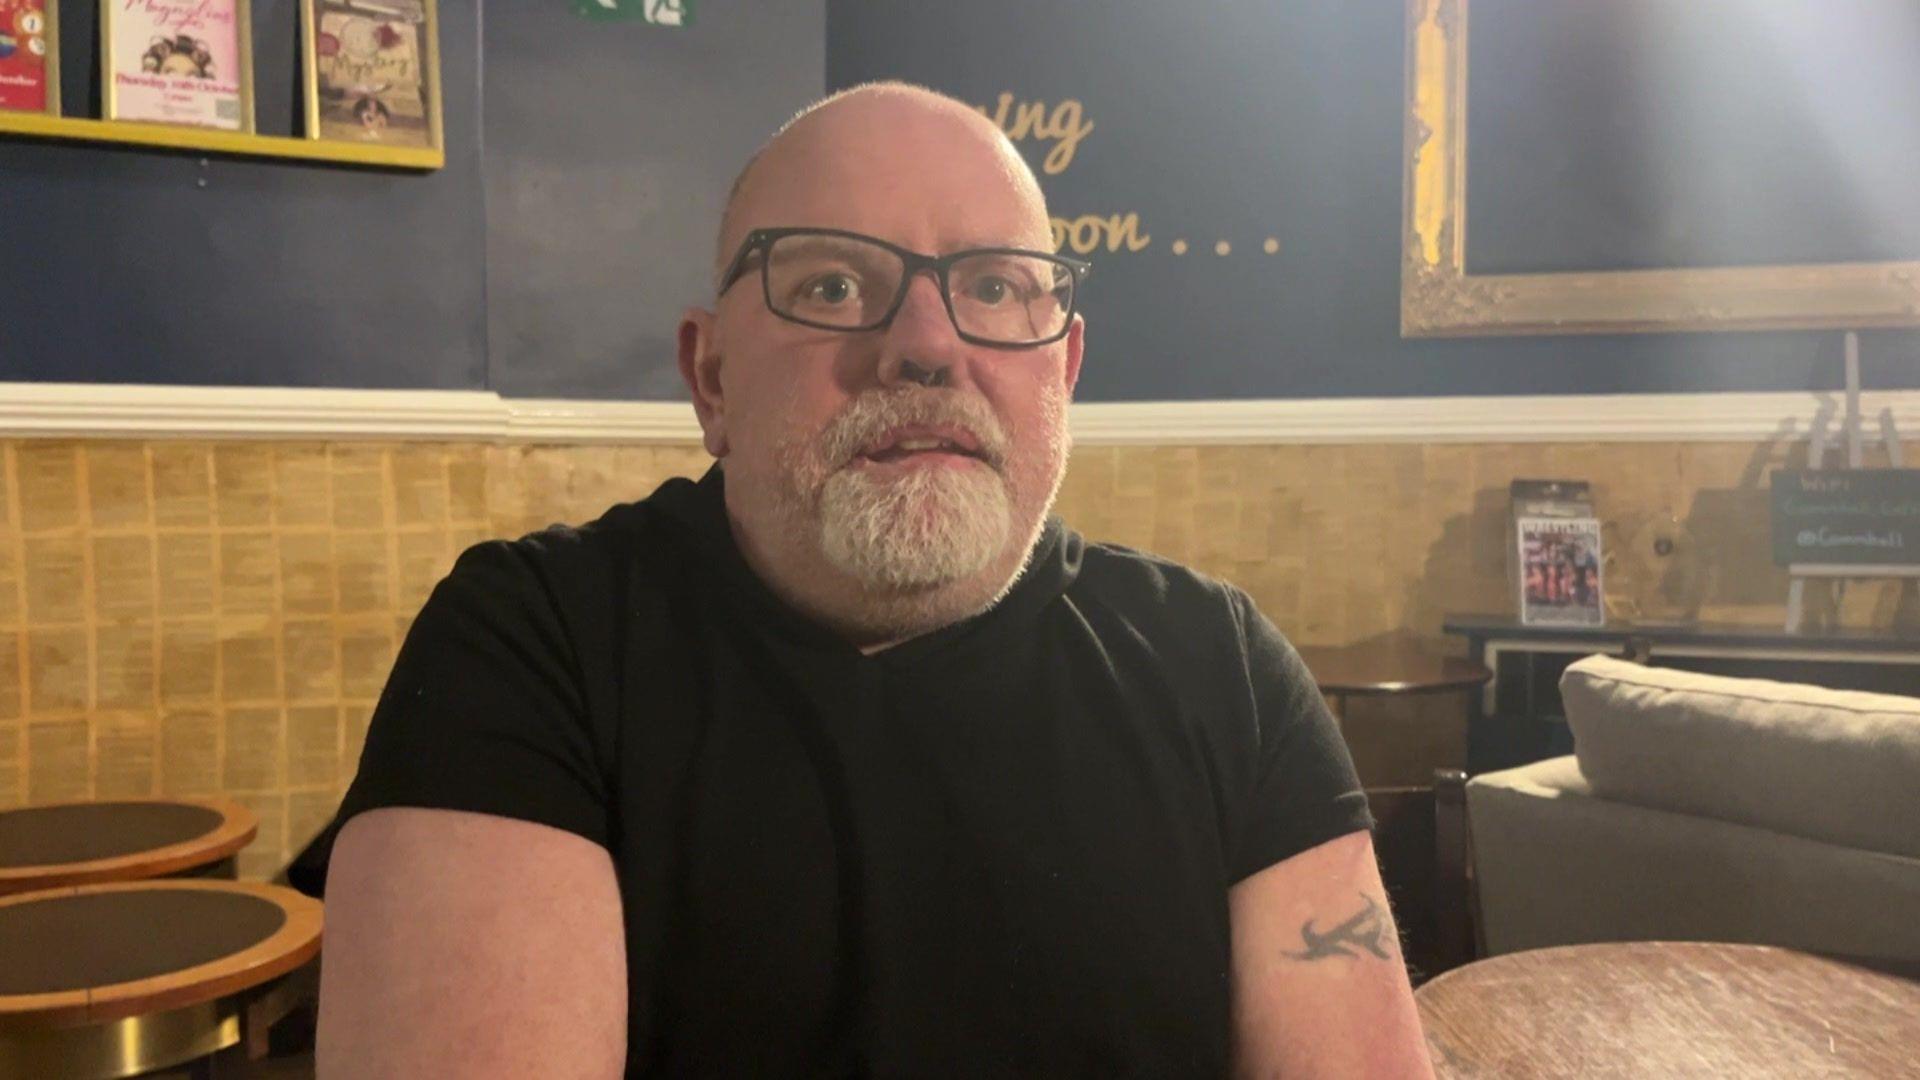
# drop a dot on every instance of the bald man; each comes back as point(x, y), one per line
point(848, 758)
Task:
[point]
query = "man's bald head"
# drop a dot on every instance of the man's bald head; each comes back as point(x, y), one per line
point(870, 123)
point(880, 544)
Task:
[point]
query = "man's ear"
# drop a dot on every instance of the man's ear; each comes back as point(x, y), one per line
point(700, 367)
point(1076, 345)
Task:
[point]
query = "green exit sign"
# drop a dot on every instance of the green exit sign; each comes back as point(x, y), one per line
point(675, 13)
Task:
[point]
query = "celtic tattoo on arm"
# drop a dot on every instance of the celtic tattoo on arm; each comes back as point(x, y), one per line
point(1365, 930)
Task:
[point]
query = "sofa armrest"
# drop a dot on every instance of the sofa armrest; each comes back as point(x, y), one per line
point(1555, 864)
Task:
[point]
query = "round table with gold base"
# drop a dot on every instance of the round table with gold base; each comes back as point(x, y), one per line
point(115, 980)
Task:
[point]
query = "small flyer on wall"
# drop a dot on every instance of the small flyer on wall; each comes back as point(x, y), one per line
point(28, 78)
point(1560, 571)
point(177, 62)
point(372, 71)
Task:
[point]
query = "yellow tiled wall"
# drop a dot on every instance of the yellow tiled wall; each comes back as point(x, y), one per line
point(190, 618)
point(193, 619)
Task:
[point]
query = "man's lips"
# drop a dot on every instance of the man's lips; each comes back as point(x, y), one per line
point(901, 443)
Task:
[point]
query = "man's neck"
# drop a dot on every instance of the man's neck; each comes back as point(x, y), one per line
point(872, 620)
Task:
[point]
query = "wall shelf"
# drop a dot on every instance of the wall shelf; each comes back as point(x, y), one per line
point(214, 141)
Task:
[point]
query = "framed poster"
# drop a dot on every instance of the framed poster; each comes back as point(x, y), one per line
point(30, 56)
point(1560, 572)
point(372, 71)
point(178, 62)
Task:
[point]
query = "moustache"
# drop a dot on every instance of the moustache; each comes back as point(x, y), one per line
point(873, 414)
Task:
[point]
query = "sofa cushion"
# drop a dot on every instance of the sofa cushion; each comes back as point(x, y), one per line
point(1831, 765)
point(1554, 865)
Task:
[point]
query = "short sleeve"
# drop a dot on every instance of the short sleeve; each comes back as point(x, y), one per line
point(1304, 790)
point(484, 710)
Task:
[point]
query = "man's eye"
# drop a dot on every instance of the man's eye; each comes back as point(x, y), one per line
point(831, 289)
point(990, 290)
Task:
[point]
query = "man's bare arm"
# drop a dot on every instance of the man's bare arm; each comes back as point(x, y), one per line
point(1320, 989)
point(468, 945)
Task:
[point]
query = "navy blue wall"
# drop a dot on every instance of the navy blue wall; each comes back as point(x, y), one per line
point(610, 149)
point(1243, 121)
point(552, 262)
point(587, 161)
point(141, 266)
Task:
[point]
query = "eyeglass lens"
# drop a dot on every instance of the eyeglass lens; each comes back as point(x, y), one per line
point(846, 283)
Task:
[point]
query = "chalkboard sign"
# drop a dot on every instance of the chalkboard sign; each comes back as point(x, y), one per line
point(1853, 517)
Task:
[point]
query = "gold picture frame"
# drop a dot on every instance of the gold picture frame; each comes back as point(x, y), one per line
point(112, 55)
point(320, 126)
point(49, 64)
point(1439, 298)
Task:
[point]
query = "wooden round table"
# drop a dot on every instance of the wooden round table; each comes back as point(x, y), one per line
point(114, 980)
point(1671, 1010)
point(1388, 669)
point(81, 843)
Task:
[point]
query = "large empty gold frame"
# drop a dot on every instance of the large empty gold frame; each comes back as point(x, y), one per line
point(1438, 298)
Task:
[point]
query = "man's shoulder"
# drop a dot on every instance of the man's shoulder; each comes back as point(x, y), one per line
point(567, 560)
point(566, 547)
point(1145, 586)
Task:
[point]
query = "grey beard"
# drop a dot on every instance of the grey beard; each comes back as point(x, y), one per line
point(911, 543)
point(921, 531)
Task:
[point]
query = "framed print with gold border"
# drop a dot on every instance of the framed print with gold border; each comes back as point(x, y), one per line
point(182, 62)
point(1441, 297)
point(30, 56)
point(371, 72)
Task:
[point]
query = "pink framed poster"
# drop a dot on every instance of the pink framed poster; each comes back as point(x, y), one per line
point(29, 56)
point(178, 62)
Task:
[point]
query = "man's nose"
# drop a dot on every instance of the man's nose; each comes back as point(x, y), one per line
point(911, 371)
point(920, 347)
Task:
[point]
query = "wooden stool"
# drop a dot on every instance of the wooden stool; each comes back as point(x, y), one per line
point(115, 980)
point(82, 843)
point(1388, 669)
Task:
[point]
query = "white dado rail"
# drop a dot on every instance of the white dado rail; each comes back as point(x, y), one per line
point(86, 410)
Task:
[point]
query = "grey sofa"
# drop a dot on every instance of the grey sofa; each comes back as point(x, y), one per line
point(1698, 807)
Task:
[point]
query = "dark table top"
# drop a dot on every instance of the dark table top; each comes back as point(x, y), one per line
point(93, 953)
point(78, 843)
point(1389, 668)
point(70, 941)
point(81, 832)
point(1670, 1009)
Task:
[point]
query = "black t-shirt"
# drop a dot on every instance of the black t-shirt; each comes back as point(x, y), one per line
point(1002, 848)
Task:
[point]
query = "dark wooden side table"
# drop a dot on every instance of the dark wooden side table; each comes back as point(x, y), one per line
point(1672, 1010)
point(1404, 837)
point(108, 981)
point(81, 843)
point(1388, 670)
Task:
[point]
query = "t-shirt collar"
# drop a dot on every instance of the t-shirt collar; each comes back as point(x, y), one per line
point(701, 508)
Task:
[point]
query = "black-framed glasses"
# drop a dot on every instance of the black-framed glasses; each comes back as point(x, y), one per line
point(831, 279)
